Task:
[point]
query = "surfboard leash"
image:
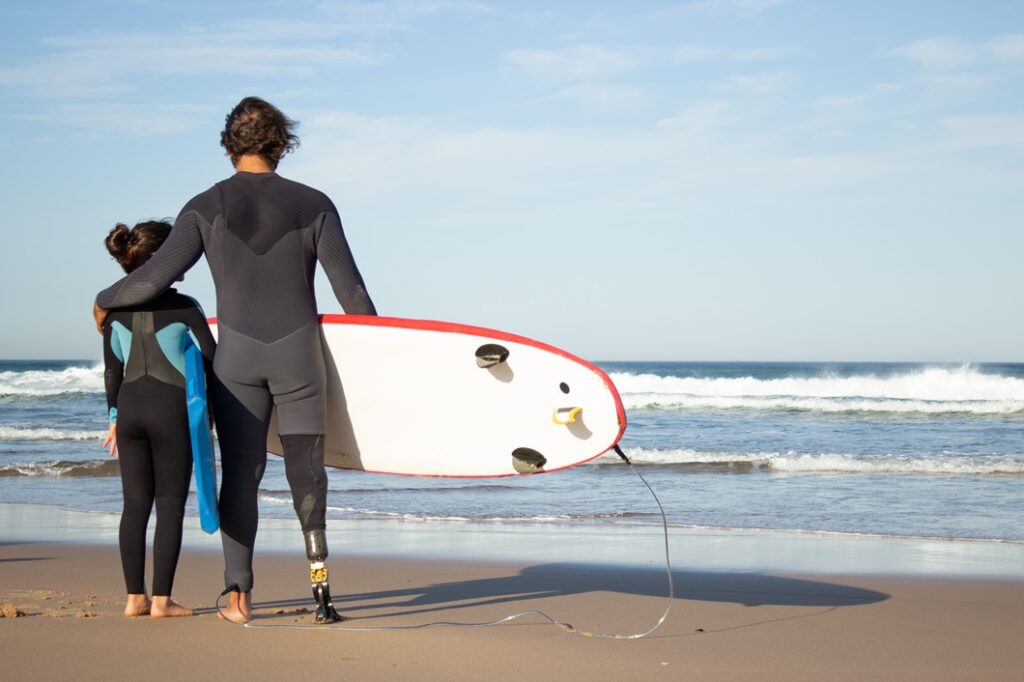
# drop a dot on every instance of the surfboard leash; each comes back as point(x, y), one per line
point(567, 627)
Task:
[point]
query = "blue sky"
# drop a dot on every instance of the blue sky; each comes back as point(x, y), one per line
point(704, 180)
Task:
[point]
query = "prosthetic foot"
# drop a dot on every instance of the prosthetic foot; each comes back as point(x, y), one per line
point(316, 552)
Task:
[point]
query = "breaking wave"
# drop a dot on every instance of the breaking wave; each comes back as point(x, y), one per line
point(15, 433)
point(52, 382)
point(934, 390)
point(821, 463)
point(93, 467)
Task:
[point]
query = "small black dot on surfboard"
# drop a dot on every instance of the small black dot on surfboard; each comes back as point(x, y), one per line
point(563, 387)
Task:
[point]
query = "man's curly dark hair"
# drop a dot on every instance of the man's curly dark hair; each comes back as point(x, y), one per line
point(256, 126)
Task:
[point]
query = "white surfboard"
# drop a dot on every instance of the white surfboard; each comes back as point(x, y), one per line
point(427, 398)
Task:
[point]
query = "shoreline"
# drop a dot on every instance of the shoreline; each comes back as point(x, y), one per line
point(728, 550)
point(756, 625)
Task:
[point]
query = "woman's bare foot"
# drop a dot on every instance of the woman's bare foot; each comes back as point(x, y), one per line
point(239, 608)
point(165, 607)
point(137, 605)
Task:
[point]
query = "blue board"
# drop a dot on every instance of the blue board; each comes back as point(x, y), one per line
point(201, 437)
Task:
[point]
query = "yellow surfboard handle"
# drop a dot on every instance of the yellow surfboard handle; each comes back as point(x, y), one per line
point(570, 412)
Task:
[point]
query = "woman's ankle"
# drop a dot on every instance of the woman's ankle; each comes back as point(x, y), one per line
point(137, 605)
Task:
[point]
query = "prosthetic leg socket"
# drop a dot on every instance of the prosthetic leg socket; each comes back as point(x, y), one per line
point(316, 552)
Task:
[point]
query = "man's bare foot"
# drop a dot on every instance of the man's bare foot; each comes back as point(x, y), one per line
point(239, 608)
point(137, 605)
point(165, 607)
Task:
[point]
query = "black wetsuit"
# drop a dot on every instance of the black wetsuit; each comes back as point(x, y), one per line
point(145, 382)
point(262, 236)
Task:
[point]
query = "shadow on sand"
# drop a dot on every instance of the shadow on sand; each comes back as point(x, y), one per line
point(548, 581)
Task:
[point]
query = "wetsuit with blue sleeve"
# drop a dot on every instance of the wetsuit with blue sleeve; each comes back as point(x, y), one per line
point(262, 236)
point(145, 385)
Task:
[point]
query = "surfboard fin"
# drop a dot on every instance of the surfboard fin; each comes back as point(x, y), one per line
point(563, 416)
point(528, 461)
point(490, 354)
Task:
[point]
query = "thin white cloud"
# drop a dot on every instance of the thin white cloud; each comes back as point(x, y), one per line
point(949, 54)
point(1008, 48)
point(939, 53)
point(338, 18)
point(843, 115)
point(834, 114)
point(698, 118)
point(132, 120)
point(742, 6)
point(594, 96)
point(768, 83)
point(695, 53)
point(833, 134)
point(952, 84)
point(273, 30)
point(955, 68)
point(840, 101)
point(767, 54)
point(480, 175)
point(972, 133)
point(575, 63)
point(756, 5)
point(692, 53)
point(94, 65)
point(400, 10)
point(393, 16)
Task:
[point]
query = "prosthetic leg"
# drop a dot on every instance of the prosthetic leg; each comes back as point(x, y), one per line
point(316, 552)
point(304, 467)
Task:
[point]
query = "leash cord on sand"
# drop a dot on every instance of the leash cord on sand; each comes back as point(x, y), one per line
point(532, 612)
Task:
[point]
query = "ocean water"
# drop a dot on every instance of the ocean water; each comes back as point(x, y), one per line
point(905, 450)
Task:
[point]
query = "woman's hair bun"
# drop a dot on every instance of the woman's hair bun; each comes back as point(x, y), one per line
point(118, 240)
point(131, 247)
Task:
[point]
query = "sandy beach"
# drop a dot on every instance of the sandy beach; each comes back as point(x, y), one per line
point(723, 625)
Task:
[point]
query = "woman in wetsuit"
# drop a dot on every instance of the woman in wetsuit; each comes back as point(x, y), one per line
point(149, 433)
point(262, 235)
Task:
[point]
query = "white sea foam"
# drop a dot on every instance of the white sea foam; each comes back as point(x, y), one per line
point(15, 433)
point(823, 462)
point(274, 499)
point(284, 500)
point(87, 468)
point(934, 390)
point(53, 382)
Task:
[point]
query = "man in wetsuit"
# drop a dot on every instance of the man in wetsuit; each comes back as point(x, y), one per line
point(262, 236)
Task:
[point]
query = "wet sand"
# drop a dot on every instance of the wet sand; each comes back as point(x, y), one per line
point(723, 625)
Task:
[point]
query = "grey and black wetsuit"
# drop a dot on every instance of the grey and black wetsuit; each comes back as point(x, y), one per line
point(262, 236)
point(145, 382)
